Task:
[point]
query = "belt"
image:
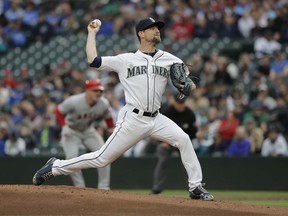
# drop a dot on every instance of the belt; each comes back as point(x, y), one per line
point(148, 114)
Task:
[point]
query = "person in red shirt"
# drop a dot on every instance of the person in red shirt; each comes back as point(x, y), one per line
point(182, 29)
point(227, 129)
point(8, 80)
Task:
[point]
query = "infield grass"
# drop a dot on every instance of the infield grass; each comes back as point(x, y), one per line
point(265, 198)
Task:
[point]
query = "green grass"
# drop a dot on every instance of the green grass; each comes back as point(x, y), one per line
point(264, 198)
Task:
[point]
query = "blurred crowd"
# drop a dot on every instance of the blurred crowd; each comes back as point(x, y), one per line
point(241, 106)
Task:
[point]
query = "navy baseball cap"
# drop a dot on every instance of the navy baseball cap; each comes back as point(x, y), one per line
point(147, 23)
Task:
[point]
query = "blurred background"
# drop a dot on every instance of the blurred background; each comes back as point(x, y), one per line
point(236, 51)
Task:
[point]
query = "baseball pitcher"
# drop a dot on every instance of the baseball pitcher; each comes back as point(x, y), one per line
point(144, 76)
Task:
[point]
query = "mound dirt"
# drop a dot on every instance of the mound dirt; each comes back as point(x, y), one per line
point(68, 200)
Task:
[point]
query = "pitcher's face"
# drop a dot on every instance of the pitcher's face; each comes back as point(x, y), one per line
point(152, 35)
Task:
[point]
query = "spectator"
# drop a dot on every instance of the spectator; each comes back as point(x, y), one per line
point(31, 118)
point(8, 80)
point(66, 14)
point(25, 77)
point(48, 128)
point(275, 144)
point(280, 21)
point(279, 64)
point(254, 86)
point(30, 16)
point(53, 19)
point(4, 97)
point(15, 146)
point(15, 35)
point(207, 75)
point(240, 145)
point(201, 110)
point(216, 149)
point(236, 102)
point(124, 23)
point(109, 12)
point(246, 68)
point(43, 30)
point(265, 96)
point(17, 94)
point(16, 114)
point(15, 12)
point(182, 28)
point(198, 64)
point(266, 44)
point(267, 12)
point(207, 133)
point(242, 7)
point(213, 122)
point(227, 129)
point(245, 24)
point(44, 133)
point(221, 75)
point(256, 116)
point(264, 67)
point(27, 135)
point(202, 141)
point(202, 29)
point(256, 141)
point(229, 27)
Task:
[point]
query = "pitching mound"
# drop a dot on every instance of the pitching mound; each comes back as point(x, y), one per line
point(67, 200)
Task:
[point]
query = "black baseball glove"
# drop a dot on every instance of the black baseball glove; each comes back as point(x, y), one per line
point(179, 76)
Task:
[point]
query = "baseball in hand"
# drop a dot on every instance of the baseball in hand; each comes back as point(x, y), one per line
point(96, 23)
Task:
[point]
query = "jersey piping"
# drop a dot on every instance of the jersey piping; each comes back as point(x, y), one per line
point(155, 80)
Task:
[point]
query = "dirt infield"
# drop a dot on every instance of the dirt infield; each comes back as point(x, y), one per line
point(68, 200)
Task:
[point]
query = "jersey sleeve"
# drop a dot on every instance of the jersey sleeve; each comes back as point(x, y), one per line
point(108, 63)
point(59, 116)
point(66, 106)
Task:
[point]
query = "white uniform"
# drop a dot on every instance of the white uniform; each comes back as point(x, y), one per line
point(144, 79)
point(79, 129)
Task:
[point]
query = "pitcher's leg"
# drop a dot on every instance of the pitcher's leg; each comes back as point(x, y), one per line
point(168, 131)
point(115, 146)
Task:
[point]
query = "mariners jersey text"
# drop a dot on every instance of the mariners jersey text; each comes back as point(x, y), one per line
point(139, 70)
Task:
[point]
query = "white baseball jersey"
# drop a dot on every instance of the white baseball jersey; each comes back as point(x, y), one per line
point(79, 115)
point(144, 79)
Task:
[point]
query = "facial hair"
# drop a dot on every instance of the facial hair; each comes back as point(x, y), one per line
point(156, 40)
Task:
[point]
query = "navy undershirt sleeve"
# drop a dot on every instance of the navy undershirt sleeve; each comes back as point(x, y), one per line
point(96, 62)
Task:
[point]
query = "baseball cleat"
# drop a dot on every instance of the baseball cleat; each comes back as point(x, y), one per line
point(201, 193)
point(155, 192)
point(45, 173)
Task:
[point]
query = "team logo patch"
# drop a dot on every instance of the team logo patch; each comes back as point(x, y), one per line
point(152, 19)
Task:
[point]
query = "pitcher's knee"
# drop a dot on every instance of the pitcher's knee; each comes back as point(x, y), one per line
point(103, 163)
point(184, 139)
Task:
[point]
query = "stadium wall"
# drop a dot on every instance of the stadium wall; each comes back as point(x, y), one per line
point(251, 173)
